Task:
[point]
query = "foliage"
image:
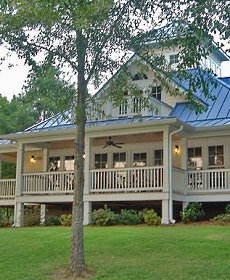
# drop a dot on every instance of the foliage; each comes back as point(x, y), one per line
point(227, 209)
point(192, 213)
point(104, 217)
point(151, 218)
point(32, 215)
point(66, 220)
point(8, 170)
point(46, 92)
point(52, 221)
point(129, 217)
point(6, 216)
point(223, 218)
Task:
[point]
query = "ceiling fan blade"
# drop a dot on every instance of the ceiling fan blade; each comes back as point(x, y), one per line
point(117, 146)
point(105, 146)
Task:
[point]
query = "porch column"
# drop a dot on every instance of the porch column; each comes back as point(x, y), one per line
point(18, 214)
point(42, 214)
point(88, 143)
point(87, 187)
point(165, 202)
point(184, 162)
point(0, 167)
point(166, 151)
point(45, 160)
point(87, 212)
point(19, 206)
point(184, 204)
point(165, 211)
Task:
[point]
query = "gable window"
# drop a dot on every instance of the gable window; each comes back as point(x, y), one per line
point(139, 159)
point(139, 76)
point(100, 161)
point(195, 158)
point(137, 105)
point(123, 107)
point(156, 92)
point(173, 58)
point(216, 156)
point(158, 157)
point(119, 160)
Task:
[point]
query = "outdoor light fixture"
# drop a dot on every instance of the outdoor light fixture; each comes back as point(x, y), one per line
point(32, 160)
point(176, 149)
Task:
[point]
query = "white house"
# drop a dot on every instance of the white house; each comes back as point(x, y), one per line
point(134, 157)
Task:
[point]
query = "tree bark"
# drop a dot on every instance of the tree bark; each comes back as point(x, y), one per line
point(77, 264)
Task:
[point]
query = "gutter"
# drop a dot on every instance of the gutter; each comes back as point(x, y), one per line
point(171, 220)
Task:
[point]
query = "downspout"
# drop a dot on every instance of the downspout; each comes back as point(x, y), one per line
point(171, 220)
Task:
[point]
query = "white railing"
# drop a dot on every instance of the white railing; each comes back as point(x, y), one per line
point(7, 188)
point(127, 179)
point(209, 180)
point(48, 182)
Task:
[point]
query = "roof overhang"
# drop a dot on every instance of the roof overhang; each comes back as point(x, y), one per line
point(99, 128)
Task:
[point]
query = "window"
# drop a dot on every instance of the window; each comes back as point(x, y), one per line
point(123, 108)
point(69, 163)
point(216, 156)
point(158, 157)
point(100, 161)
point(139, 76)
point(156, 92)
point(195, 158)
point(119, 160)
point(54, 163)
point(137, 105)
point(173, 58)
point(139, 159)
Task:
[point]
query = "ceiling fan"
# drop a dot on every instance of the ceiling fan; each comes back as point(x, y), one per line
point(110, 143)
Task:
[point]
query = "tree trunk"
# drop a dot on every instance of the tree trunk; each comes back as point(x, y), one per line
point(77, 264)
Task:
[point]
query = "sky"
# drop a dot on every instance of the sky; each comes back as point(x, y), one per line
point(12, 79)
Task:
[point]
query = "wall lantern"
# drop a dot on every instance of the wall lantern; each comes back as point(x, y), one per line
point(176, 149)
point(32, 159)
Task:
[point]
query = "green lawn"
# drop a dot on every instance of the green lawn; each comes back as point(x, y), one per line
point(176, 252)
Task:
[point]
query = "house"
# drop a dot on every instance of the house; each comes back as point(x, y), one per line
point(161, 158)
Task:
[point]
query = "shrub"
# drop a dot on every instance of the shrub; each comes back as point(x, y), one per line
point(129, 217)
point(66, 220)
point(32, 215)
point(52, 221)
point(192, 213)
point(223, 218)
point(227, 209)
point(104, 217)
point(151, 217)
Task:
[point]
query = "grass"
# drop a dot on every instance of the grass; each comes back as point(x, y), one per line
point(132, 253)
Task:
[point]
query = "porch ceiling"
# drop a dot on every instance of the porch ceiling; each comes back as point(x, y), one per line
point(130, 139)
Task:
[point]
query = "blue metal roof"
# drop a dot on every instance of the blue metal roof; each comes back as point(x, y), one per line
point(50, 125)
point(59, 120)
point(217, 111)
